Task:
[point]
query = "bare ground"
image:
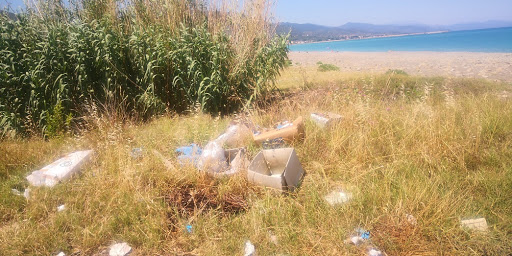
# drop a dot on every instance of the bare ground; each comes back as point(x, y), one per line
point(493, 66)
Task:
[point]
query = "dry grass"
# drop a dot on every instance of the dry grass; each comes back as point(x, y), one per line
point(438, 149)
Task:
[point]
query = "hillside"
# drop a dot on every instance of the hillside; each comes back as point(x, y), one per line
point(312, 32)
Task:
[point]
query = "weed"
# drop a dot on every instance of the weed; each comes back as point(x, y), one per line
point(327, 67)
point(152, 56)
point(396, 72)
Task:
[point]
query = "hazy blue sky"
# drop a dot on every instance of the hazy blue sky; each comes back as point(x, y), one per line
point(432, 12)
point(338, 12)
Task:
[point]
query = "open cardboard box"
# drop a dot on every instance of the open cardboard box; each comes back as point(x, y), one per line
point(276, 168)
point(289, 133)
point(326, 120)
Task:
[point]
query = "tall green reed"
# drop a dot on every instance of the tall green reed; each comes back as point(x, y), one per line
point(54, 55)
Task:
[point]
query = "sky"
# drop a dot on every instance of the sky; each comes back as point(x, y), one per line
point(430, 12)
point(339, 12)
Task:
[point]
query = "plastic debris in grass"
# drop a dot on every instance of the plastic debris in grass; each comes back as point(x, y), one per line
point(374, 252)
point(326, 120)
point(189, 154)
point(338, 197)
point(189, 228)
point(59, 170)
point(216, 160)
point(16, 192)
point(411, 219)
point(273, 238)
point(119, 249)
point(273, 144)
point(236, 160)
point(61, 254)
point(25, 193)
point(276, 168)
point(61, 208)
point(137, 153)
point(360, 236)
point(213, 158)
point(479, 224)
point(237, 135)
point(249, 249)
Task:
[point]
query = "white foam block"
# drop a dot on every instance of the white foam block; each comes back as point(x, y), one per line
point(59, 170)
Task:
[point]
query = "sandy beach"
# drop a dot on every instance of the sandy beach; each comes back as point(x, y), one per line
point(493, 66)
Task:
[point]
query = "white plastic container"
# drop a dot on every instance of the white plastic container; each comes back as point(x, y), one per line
point(59, 170)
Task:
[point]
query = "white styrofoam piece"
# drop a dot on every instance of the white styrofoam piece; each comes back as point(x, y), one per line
point(249, 249)
point(59, 170)
point(326, 119)
point(61, 208)
point(120, 249)
point(475, 224)
point(374, 252)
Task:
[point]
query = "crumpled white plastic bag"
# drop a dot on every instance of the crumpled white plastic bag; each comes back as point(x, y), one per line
point(213, 158)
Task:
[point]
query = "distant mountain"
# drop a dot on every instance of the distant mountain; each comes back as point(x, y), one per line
point(481, 25)
point(385, 29)
point(351, 30)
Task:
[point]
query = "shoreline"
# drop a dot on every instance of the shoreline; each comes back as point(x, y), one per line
point(492, 66)
point(373, 37)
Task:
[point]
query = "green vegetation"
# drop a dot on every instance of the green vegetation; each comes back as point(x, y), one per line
point(396, 72)
point(435, 148)
point(327, 67)
point(140, 58)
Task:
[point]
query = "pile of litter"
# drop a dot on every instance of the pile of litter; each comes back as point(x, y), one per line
point(276, 166)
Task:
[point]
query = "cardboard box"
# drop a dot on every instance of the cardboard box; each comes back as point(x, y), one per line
point(288, 133)
point(326, 120)
point(59, 170)
point(276, 168)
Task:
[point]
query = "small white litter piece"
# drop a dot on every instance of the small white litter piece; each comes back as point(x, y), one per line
point(249, 249)
point(475, 224)
point(61, 254)
point(273, 238)
point(374, 252)
point(338, 197)
point(59, 170)
point(411, 219)
point(120, 249)
point(326, 120)
point(61, 208)
point(25, 194)
point(356, 240)
point(16, 192)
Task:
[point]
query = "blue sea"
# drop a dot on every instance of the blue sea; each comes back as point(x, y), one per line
point(484, 40)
